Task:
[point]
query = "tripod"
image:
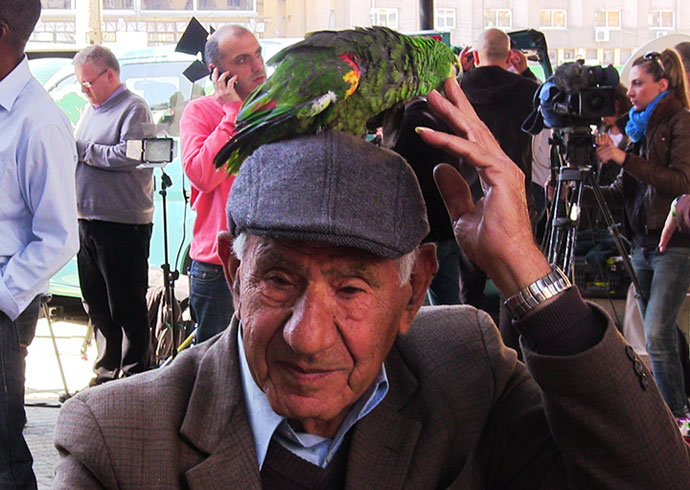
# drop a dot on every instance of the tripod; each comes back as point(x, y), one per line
point(565, 218)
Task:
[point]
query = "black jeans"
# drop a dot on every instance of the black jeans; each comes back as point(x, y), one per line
point(15, 457)
point(113, 273)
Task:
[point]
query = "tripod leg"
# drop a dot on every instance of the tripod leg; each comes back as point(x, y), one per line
point(615, 234)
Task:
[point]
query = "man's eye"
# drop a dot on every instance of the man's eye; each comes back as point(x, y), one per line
point(351, 290)
point(278, 281)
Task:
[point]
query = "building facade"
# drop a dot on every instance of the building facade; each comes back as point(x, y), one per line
point(600, 31)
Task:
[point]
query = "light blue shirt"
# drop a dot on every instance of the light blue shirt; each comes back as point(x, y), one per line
point(266, 424)
point(38, 204)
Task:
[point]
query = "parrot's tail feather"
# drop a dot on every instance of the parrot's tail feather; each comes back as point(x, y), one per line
point(250, 138)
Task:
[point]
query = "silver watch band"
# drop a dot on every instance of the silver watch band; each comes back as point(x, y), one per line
point(536, 293)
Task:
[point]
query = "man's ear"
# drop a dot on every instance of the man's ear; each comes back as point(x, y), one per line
point(230, 264)
point(423, 272)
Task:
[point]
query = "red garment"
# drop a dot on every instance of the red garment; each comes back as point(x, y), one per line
point(205, 127)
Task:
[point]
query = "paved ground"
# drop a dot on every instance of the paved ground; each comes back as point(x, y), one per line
point(44, 385)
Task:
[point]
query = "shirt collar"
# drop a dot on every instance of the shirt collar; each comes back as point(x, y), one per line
point(265, 423)
point(12, 84)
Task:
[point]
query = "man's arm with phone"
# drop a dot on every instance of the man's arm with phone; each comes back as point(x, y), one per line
point(224, 86)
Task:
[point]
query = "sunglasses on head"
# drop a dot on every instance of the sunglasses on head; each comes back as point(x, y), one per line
point(655, 57)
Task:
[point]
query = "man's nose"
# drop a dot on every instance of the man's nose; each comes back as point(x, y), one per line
point(311, 327)
point(257, 64)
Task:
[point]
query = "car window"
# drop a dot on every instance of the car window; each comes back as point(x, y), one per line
point(160, 83)
point(44, 68)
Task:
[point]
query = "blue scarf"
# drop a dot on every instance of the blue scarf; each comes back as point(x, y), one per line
point(636, 127)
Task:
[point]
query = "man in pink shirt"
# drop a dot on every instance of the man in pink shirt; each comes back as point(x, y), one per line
point(234, 57)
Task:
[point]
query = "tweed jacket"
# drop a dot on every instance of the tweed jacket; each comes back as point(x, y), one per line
point(461, 412)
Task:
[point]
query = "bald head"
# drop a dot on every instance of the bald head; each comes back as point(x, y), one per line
point(212, 50)
point(493, 48)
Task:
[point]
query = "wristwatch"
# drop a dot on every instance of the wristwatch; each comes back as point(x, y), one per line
point(536, 293)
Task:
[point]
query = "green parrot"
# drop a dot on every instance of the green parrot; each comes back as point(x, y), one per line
point(347, 80)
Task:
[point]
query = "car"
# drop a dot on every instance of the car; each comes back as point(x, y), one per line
point(156, 75)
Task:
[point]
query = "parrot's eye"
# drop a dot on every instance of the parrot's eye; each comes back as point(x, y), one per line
point(456, 70)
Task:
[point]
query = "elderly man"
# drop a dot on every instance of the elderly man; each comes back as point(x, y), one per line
point(331, 377)
point(115, 203)
point(234, 57)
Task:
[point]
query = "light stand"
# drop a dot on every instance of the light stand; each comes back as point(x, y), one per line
point(169, 277)
point(158, 152)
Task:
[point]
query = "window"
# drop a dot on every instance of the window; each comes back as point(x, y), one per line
point(166, 4)
point(661, 19)
point(607, 18)
point(445, 19)
point(501, 18)
point(118, 4)
point(56, 4)
point(225, 5)
point(552, 19)
point(54, 32)
point(384, 17)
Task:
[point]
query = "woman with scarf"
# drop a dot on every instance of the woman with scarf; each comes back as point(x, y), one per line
point(655, 168)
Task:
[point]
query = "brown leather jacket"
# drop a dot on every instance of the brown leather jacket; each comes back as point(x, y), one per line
point(655, 171)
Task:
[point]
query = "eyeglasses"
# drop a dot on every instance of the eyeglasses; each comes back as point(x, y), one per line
point(88, 84)
point(655, 57)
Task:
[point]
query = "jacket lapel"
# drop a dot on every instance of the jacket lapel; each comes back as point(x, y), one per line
point(216, 421)
point(384, 441)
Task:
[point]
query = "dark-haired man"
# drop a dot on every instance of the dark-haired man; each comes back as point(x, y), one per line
point(234, 57)
point(38, 221)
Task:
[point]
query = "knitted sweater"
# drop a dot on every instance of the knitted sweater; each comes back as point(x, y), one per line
point(109, 186)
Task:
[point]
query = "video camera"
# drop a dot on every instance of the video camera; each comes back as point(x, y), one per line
point(573, 99)
point(578, 95)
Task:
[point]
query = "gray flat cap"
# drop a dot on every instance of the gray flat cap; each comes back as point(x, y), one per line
point(333, 188)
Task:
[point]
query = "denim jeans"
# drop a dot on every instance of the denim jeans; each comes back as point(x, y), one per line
point(664, 280)
point(113, 274)
point(209, 299)
point(445, 287)
point(15, 457)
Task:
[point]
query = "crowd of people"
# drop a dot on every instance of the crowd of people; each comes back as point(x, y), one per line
point(316, 364)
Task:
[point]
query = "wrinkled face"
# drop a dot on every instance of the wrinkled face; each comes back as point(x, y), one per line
point(643, 89)
point(99, 82)
point(317, 323)
point(241, 56)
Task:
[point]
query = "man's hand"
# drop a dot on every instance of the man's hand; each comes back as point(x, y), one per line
point(495, 233)
point(607, 151)
point(518, 61)
point(224, 86)
point(466, 59)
